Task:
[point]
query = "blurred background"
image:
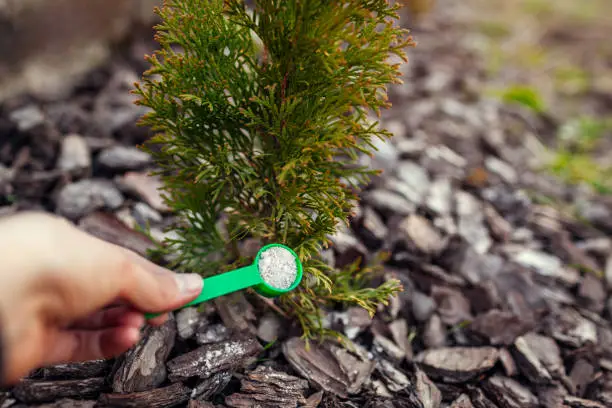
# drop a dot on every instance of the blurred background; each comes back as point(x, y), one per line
point(47, 44)
point(554, 57)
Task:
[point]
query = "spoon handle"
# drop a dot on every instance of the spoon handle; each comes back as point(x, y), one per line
point(223, 284)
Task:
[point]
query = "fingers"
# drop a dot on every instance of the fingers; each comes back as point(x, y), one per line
point(116, 316)
point(111, 317)
point(83, 345)
point(73, 273)
point(158, 320)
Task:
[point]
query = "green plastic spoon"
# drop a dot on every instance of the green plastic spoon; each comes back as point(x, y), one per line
point(248, 276)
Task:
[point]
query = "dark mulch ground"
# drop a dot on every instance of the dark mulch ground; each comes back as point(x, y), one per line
point(506, 298)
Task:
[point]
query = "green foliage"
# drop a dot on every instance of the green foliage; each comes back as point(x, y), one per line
point(583, 133)
point(538, 7)
point(525, 96)
point(260, 117)
point(573, 161)
point(572, 79)
point(577, 168)
point(494, 29)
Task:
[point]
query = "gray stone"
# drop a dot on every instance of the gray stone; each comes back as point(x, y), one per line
point(74, 154)
point(109, 228)
point(443, 161)
point(434, 334)
point(403, 189)
point(500, 327)
point(574, 329)
point(453, 307)
point(592, 293)
point(147, 187)
point(347, 247)
point(546, 265)
point(420, 231)
point(575, 402)
point(387, 347)
point(144, 214)
point(187, 322)
point(352, 321)
point(532, 352)
point(463, 401)
point(213, 334)
point(438, 80)
point(501, 229)
point(439, 198)
point(415, 180)
point(476, 267)
point(397, 128)
point(269, 328)
point(453, 107)
point(373, 230)
point(608, 272)
point(580, 376)
point(27, 118)
point(389, 202)
point(596, 213)
point(6, 176)
point(428, 392)
point(471, 222)
point(358, 319)
point(522, 235)
point(507, 392)
point(124, 158)
point(446, 224)
point(411, 148)
point(600, 246)
point(78, 199)
point(114, 108)
point(419, 111)
point(385, 155)
point(393, 378)
point(125, 216)
point(423, 306)
point(502, 169)
point(399, 332)
point(328, 256)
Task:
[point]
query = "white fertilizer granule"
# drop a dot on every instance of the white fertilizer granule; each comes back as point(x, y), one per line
point(277, 267)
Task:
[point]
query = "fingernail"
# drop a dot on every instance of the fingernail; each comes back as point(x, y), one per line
point(189, 284)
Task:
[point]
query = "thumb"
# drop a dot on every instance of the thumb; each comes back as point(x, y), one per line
point(153, 289)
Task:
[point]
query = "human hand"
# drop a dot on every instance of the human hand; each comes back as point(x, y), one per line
point(68, 296)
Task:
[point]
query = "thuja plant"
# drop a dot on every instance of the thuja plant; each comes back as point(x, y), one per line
point(260, 115)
